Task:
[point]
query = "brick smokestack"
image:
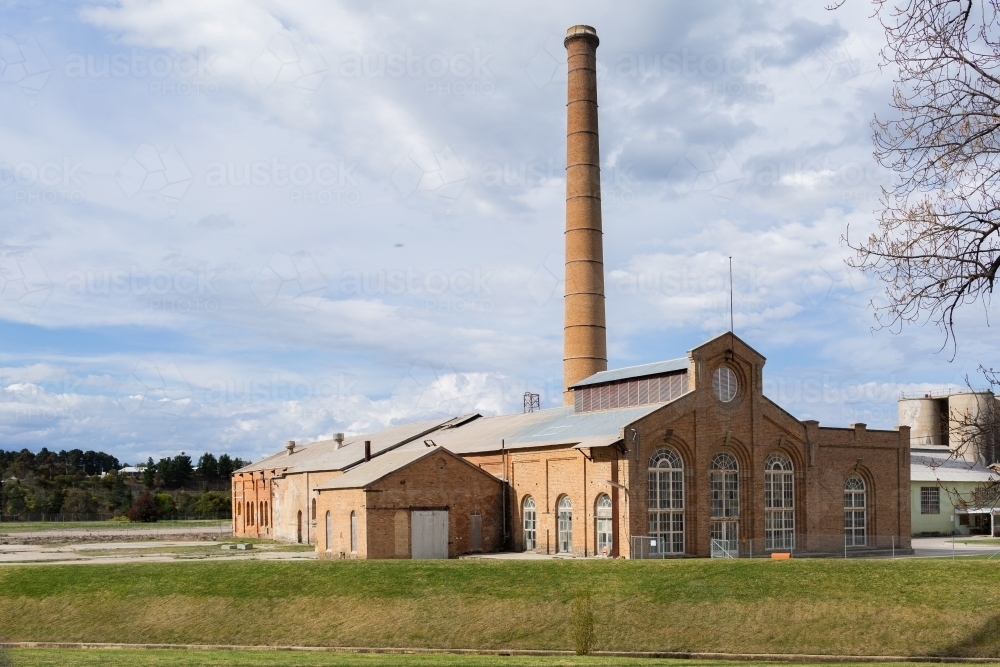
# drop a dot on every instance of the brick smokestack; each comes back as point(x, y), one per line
point(585, 348)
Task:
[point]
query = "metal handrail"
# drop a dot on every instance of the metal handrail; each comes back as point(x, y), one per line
point(717, 544)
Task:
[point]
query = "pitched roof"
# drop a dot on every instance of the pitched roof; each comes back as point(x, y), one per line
point(382, 466)
point(542, 428)
point(940, 464)
point(324, 454)
point(629, 372)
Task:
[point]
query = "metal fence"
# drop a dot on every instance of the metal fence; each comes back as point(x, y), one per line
point(796, 544)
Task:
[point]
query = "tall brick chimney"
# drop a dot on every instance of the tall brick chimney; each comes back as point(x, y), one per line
point(585, 347)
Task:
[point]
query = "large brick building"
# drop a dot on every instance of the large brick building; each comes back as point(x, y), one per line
point(673, 458)
point(677, 458)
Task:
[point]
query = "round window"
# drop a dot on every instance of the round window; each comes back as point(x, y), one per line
point(724, 384)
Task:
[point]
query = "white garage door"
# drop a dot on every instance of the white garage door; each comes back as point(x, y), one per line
point(429, 532)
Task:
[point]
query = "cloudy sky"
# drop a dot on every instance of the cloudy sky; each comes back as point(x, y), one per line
point(228, 224)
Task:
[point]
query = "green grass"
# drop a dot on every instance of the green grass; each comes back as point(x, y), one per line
point(988, 541)
point(177, 658)
point(207, 549)
point(8, 527)
point(874, 607)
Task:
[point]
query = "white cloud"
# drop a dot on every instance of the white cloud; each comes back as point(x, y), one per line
point(341, 218)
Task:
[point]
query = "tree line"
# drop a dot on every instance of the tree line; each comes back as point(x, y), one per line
point(79, 484)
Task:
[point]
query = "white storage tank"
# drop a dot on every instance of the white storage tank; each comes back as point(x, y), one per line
point(970, 440)
point(926, 418)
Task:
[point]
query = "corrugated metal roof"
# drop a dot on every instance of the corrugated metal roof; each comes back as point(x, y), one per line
point(543, 428)
point(941, 465)
point(322, 455)
point(655, 368)
point(380, 466)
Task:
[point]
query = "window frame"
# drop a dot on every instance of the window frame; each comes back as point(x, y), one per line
point(724, 487)
point(855, 535)
point(604, 528)
point(725, 382)
point(530, 533)
point(779, 503)
point(564, 525)
point(665, 474)
point(930, 499)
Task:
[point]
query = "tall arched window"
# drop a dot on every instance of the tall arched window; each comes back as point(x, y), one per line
point(354, 533)
point(313, 515)
point(260, 513)
point(603, 524)
point(565, 543)
point(249, 513)
point(298, 529)
point(267, 514)
point(329, 531)
point(855, 512)
point(530, 524)
point(779, 503)
point(666, 502)
point(725, 506)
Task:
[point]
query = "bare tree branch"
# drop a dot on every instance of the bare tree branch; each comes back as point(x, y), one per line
point(936, 249)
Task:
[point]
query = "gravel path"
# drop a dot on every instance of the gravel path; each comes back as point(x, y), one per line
point(25, 554)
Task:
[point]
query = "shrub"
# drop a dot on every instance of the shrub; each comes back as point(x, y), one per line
point(78, 501)
point(166, 503)
point(212, 503)
point(144, 509)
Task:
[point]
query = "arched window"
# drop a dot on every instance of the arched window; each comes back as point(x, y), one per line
point(298, 529)
point(666, 502)
point(239, 509)
point(779, 503)
point(249, 514)
point(314, 509)
point(565, 543)
point(329, 531)
point(354, 532)
point(267, 515)
point(725, 505)
point(260, 513)
point(530, 524)
point(855, 512)
point(604, 525)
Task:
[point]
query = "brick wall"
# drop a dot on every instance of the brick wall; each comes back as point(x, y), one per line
point(438, 481)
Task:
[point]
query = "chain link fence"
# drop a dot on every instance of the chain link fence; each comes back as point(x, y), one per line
point(793, 544)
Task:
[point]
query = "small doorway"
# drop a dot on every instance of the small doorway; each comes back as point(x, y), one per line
point(476, 531)
point(725, 539)
point(429, 534)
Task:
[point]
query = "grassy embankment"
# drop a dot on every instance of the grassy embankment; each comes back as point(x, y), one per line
point(173, 658)
point(905, 607)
